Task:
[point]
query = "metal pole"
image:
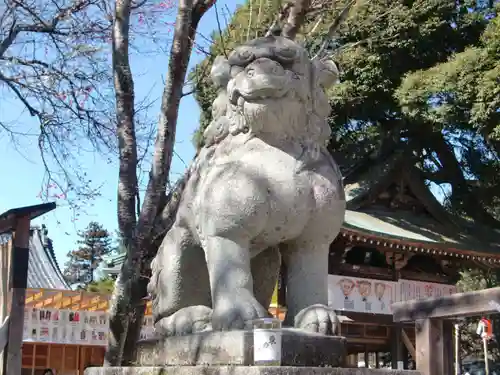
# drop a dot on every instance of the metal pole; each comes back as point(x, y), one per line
point(486, 362)
point(458, 364)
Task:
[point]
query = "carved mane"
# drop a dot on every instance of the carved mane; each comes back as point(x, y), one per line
point(303, 80)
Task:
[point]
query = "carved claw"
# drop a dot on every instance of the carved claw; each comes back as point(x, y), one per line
point(185, 321)
point(317, 318)
point(237, 312)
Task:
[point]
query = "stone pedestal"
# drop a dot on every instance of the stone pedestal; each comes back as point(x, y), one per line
point(298, 348)
point(242, 370)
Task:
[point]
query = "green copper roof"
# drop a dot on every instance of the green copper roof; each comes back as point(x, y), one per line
point(408, 227)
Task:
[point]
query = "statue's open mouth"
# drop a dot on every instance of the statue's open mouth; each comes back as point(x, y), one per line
point(258, 95)
point(263, 79)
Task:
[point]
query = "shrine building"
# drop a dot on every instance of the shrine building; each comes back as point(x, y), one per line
point(397, 243)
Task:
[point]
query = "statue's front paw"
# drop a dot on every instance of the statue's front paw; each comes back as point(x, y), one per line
point(236, 311)
point(317, 318)
point(185, 321)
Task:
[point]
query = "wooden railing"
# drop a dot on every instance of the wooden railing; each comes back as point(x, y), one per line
point(434, 318)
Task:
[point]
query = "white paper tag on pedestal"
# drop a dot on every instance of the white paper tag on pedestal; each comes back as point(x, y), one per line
point(267, 346)
point(401, 365)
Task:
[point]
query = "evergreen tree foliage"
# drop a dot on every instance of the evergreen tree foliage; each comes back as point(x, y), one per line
point(418, 75)
point(461, 97)
point(471, 344)
point(102, 286)
point(95, 242)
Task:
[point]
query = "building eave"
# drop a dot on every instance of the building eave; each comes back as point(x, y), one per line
point(401, 244)
point(8, 218)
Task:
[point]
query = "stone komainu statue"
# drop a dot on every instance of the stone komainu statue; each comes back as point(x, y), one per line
point(263, 188)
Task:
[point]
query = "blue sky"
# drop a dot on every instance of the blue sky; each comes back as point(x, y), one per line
point(22, 170)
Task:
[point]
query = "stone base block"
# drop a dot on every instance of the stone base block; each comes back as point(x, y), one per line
point(298, 348)
point(242, 370)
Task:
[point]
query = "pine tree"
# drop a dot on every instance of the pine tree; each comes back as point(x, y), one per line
point(95, 242)
point(102, 286)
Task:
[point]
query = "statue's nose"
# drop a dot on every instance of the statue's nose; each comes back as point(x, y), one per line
point(264, 66)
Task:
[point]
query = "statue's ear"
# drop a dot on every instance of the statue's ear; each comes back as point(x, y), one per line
point(220, 72)
point(327, 72)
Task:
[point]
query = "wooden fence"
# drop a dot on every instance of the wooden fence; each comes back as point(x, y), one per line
point(434, 318)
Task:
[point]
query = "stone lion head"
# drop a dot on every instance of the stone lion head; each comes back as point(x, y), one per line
point(270, 88)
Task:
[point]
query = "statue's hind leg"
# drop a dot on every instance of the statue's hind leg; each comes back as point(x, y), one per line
point(307, 287)
point(306, 259)
point(180, 286)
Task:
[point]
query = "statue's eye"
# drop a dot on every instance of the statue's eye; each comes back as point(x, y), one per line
point(250, 72)
point(277, 70)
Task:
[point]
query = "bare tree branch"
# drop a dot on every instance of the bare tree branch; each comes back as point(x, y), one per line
point(296, 17)
point(54, 63)
point(221, 34)
point(333, 28)
point(275, 28)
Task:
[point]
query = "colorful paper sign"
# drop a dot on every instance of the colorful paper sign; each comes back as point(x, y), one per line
point(376, 296)
point(65, 327)
point(72, 327)
point(415, 290)
point(361, 295)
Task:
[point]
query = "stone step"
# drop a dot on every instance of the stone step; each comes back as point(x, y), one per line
point(298, 348)
point(241, 370)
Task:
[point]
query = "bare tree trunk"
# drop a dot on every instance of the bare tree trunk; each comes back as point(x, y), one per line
point(470, 202)
point(139, 237)
point(296, 17)
point(158, 176)
point(127, 179)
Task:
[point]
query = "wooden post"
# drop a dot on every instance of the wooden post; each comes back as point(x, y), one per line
point(408, 344)
point(406, 354)
point(429, 347)
point(20, 257)
point(448, 354)
point(396, 347)
point(5, 272)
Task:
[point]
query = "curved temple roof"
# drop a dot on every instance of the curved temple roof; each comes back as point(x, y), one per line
point(43, 270)
point(434, 229)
